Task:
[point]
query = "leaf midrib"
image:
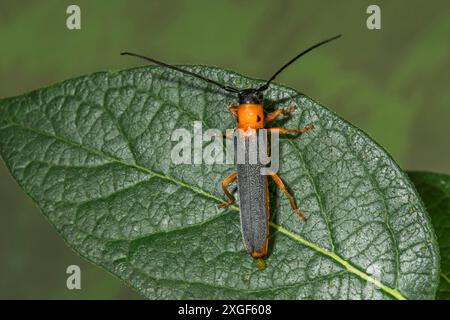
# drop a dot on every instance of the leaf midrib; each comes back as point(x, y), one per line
point(293, 236)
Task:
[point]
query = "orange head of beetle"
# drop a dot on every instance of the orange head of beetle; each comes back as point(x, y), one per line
point(250, 114)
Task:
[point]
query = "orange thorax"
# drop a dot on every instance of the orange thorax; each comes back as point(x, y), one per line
point(250, 116)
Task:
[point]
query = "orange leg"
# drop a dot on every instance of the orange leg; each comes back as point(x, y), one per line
point(285, 131)
point(233, 109)
point(228, 134)
point(225, 134)
point(291, 199)
point(275, 114)
point(225, 183)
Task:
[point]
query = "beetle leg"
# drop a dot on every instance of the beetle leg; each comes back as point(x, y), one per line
point(285, 131)
point(291, 199)
point(228, 133)
point(233, 109)
point(225, 183)
point(225, 134)
point(275, 114)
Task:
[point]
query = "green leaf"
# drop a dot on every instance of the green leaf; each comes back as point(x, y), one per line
point(434, 188)
point(94, 154)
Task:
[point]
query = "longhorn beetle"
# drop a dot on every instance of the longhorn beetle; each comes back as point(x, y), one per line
point(252, 185)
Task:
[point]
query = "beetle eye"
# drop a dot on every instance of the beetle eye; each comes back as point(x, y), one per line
point(258, 118)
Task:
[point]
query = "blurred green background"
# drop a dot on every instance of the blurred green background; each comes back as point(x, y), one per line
point(393, 83)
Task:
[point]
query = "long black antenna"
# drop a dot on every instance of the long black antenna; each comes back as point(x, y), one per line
point(266, 85)
point(224, 87)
